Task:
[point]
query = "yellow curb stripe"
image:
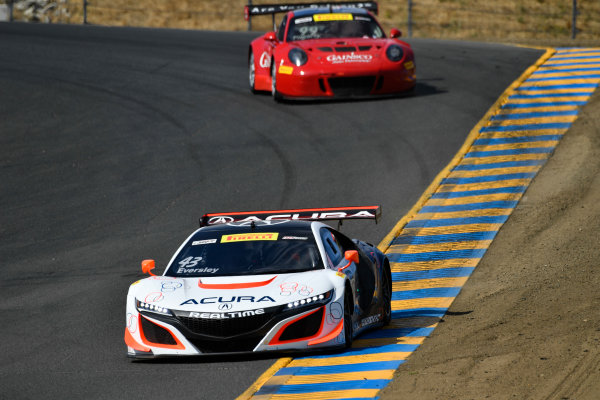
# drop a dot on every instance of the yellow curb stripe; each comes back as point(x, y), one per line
point(429, 283)
point(423, 248)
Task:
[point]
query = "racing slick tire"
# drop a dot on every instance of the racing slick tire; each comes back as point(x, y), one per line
point(348, 328)
point(276, 96)
point(251, 72)
point(387, 294)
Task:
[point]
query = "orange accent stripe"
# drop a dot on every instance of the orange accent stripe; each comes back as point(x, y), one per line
point(329, 337)
point(130, 341)
point(291, 211)
point(246, 285)
point(178, 346)
point(276, 340)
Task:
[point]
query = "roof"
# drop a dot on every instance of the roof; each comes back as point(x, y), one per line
point(260, 226)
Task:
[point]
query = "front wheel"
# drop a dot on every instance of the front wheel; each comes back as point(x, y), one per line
point(251, 72)
point(348, 328)
point(274, 92)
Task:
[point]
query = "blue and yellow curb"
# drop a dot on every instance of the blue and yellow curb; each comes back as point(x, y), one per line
point(434, 248)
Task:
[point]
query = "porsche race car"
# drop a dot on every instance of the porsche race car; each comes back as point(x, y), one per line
point(327, 50)
point(261, 281)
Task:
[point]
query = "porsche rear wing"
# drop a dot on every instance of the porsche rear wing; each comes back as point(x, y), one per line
point(251, 10)
point(307, 214)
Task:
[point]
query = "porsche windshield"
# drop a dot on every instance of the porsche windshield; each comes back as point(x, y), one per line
point(334, 25)
point(246, 252)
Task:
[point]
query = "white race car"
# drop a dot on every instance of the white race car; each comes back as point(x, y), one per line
point(271, 280)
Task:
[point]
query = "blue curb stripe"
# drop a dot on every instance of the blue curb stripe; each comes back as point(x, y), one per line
point(340, 369)
point(420, 312)
point(436, 223)
point(509, 152)
point(558, 87)
point(436, 255)
point(425, 293)
point(518, 139)
point(504, 117)
point(467, 193)
point(550, 95)
point(557, 64)
point(563, 78)
point(457, 272)
point(357, 351)
point(486, 205)
point(515, 106)
point(325, 386)
point(448, 238)
point(526, 127)
point(486, 178)
point(504, 164)
point(396, 333)
point(554, 59)
point(555, 71)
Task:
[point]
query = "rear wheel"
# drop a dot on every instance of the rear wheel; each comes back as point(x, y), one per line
point(386, 289)
point(251, 72)
point(348, 328)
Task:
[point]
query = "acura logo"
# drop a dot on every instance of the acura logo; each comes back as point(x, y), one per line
point(224, 306)
point(220, 220)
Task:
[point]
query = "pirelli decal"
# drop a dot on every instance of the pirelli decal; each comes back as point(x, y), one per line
point(332, 17)
point(247, 237)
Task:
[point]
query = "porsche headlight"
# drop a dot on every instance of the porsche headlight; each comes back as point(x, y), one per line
point(394, 53)
point(153, 308)
point(322, 298)
point(297, 56)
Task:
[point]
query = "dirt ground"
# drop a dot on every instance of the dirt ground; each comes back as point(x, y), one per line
point(527, 323)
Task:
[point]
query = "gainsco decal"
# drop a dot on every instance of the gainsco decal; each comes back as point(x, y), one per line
point(232, 299)
point(226, 315)
point(349, 58)
point(247, 237)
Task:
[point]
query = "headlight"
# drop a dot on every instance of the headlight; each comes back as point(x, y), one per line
point(322, 298)
point(394, 53)
point(297, 56)
point(153, 308)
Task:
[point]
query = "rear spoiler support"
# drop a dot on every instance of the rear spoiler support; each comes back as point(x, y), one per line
point(251, 10)
point(307, 214)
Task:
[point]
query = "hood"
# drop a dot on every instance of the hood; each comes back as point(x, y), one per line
point(348, 51)
point(218, 294)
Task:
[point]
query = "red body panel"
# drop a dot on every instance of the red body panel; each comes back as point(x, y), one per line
point(335, 67)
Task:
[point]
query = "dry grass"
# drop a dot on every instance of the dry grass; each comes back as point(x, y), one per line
point(499, 20)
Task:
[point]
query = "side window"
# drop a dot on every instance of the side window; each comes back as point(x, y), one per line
point(281, 30)
point(332, 247)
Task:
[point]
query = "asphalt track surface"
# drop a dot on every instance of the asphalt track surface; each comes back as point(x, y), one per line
point(114, 142)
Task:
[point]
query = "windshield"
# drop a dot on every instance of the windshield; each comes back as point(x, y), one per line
point(226, 253)
point(335, 25)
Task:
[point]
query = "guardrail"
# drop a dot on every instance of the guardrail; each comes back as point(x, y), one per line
point(460, 19)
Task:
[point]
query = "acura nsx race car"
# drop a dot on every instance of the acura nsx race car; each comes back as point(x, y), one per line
point(337, 50)
point(271, 280)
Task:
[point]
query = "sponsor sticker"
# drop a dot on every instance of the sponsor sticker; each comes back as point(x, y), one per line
point(206, 241)
point(286, 70)
point(247, 237)
point(303, 20)
point(294, 238)
point(265, 60)
point(409, 65)
point(349, 58)
point(333, 17)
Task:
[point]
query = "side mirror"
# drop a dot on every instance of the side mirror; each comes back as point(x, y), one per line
point(351, 255)
point(148, 266)
point(395, 33)
point(270, 36)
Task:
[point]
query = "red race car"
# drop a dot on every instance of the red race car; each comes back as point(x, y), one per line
point(329, 50)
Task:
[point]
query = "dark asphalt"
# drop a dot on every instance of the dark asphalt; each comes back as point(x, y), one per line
point(114, 142)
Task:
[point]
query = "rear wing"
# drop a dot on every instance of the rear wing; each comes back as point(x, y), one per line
point(306, 214)
point(252, 10)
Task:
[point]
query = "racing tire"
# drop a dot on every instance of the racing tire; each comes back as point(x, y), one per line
point(276, 95)
point(252, 72)
point(348, 328)
point(386, 288)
